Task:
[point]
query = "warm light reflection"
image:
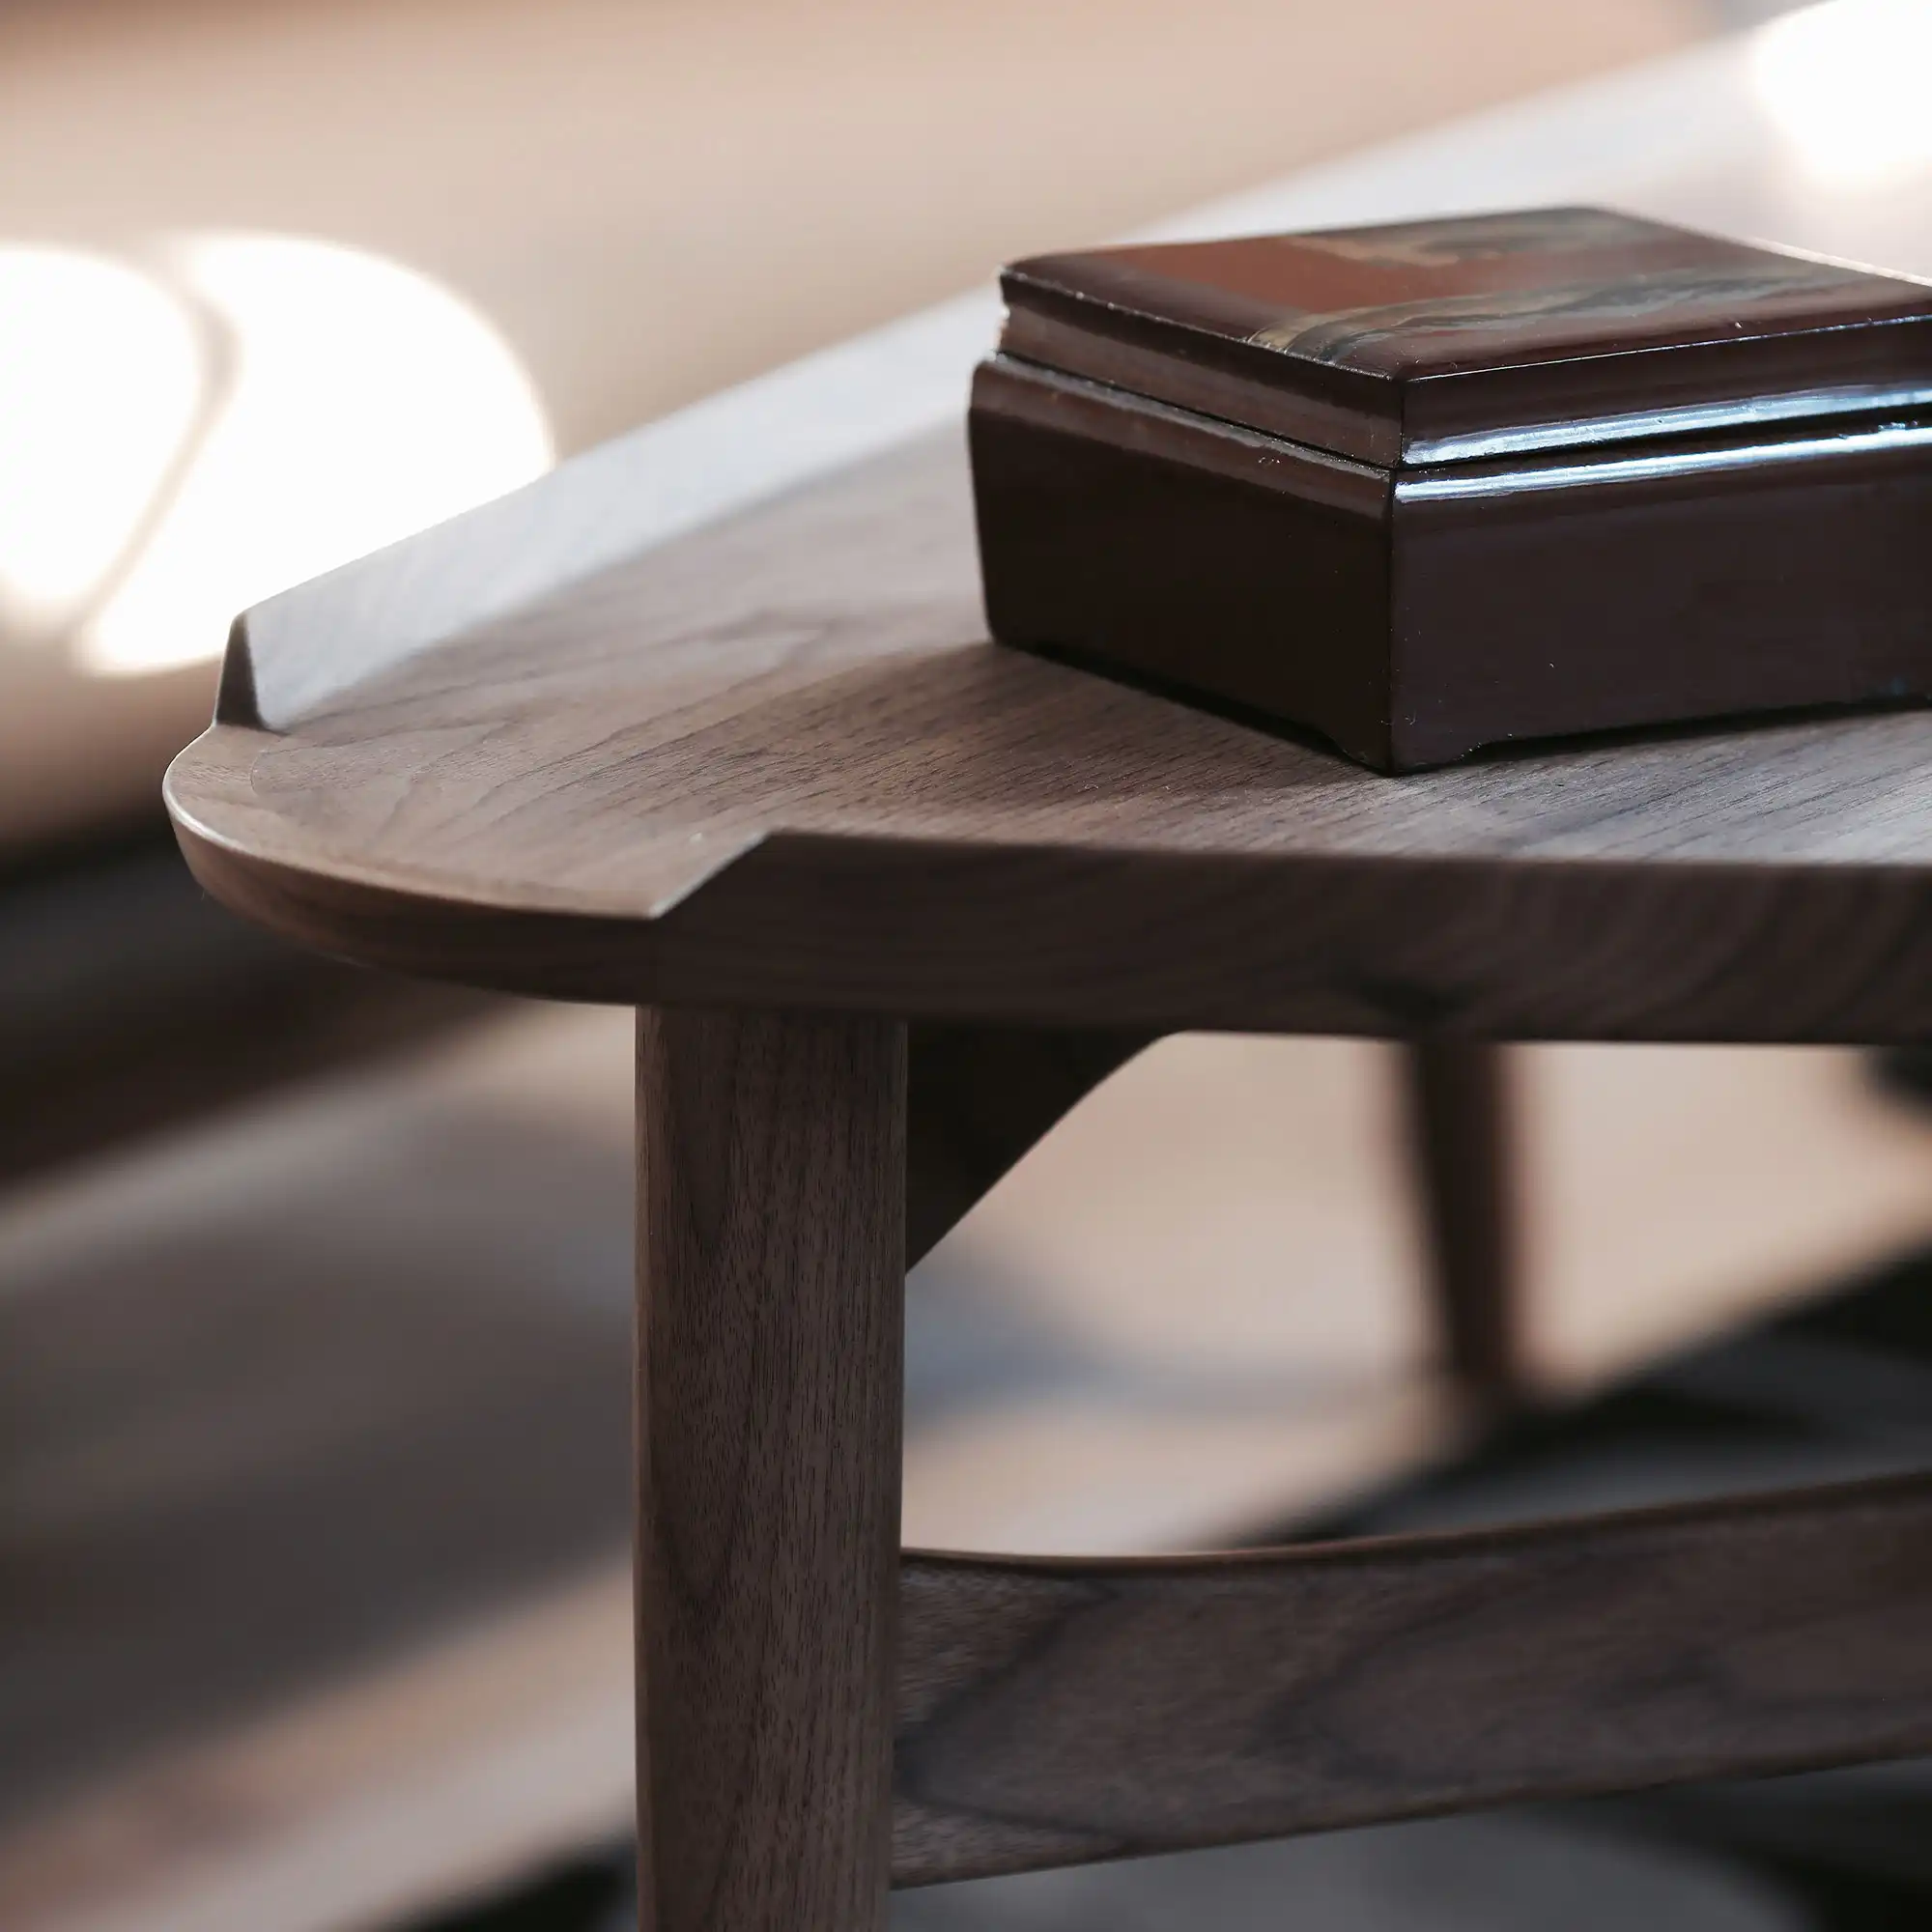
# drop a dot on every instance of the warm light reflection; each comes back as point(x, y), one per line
point(101, 382)
point(249, 410)
point(1847, 85)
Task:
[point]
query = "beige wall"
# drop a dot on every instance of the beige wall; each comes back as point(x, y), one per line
point(656, 199)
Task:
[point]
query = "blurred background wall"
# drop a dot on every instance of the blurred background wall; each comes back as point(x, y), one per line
point(654, 198)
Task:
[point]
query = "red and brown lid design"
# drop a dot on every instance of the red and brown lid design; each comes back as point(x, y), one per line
point(1480, 335)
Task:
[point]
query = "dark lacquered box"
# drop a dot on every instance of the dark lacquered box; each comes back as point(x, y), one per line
point(1433, 486)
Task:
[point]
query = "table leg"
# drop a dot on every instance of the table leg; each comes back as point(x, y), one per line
point(1460, 1114)
point(770, 1352)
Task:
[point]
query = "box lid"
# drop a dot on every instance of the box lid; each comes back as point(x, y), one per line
point(1481, 336)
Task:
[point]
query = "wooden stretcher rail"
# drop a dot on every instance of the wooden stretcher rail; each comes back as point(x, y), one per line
point(1054, 1713)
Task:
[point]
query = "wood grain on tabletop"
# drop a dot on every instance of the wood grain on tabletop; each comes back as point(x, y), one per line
point(776, 763)
point(771, 1245)
point(1053, 1712)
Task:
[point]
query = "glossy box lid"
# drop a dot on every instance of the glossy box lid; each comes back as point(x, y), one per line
point(1481, 336)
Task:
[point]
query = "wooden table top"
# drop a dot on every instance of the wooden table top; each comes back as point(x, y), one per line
point(650, 731)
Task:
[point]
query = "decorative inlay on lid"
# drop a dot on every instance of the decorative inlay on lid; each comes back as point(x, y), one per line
point(1480, 335)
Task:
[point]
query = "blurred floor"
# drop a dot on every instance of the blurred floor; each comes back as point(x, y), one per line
point(1220, 1248)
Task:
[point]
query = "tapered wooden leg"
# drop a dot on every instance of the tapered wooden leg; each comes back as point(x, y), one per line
point(771, 1248)
point(1460, 1129)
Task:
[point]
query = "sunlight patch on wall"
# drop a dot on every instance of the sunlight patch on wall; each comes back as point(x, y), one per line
point(100, 385)
point(185, 434)
point(1847, 84)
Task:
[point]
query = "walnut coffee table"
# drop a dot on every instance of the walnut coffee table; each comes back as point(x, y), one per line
point(889, 898)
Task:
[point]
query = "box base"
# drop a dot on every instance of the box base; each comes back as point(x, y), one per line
point(1413, 616)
